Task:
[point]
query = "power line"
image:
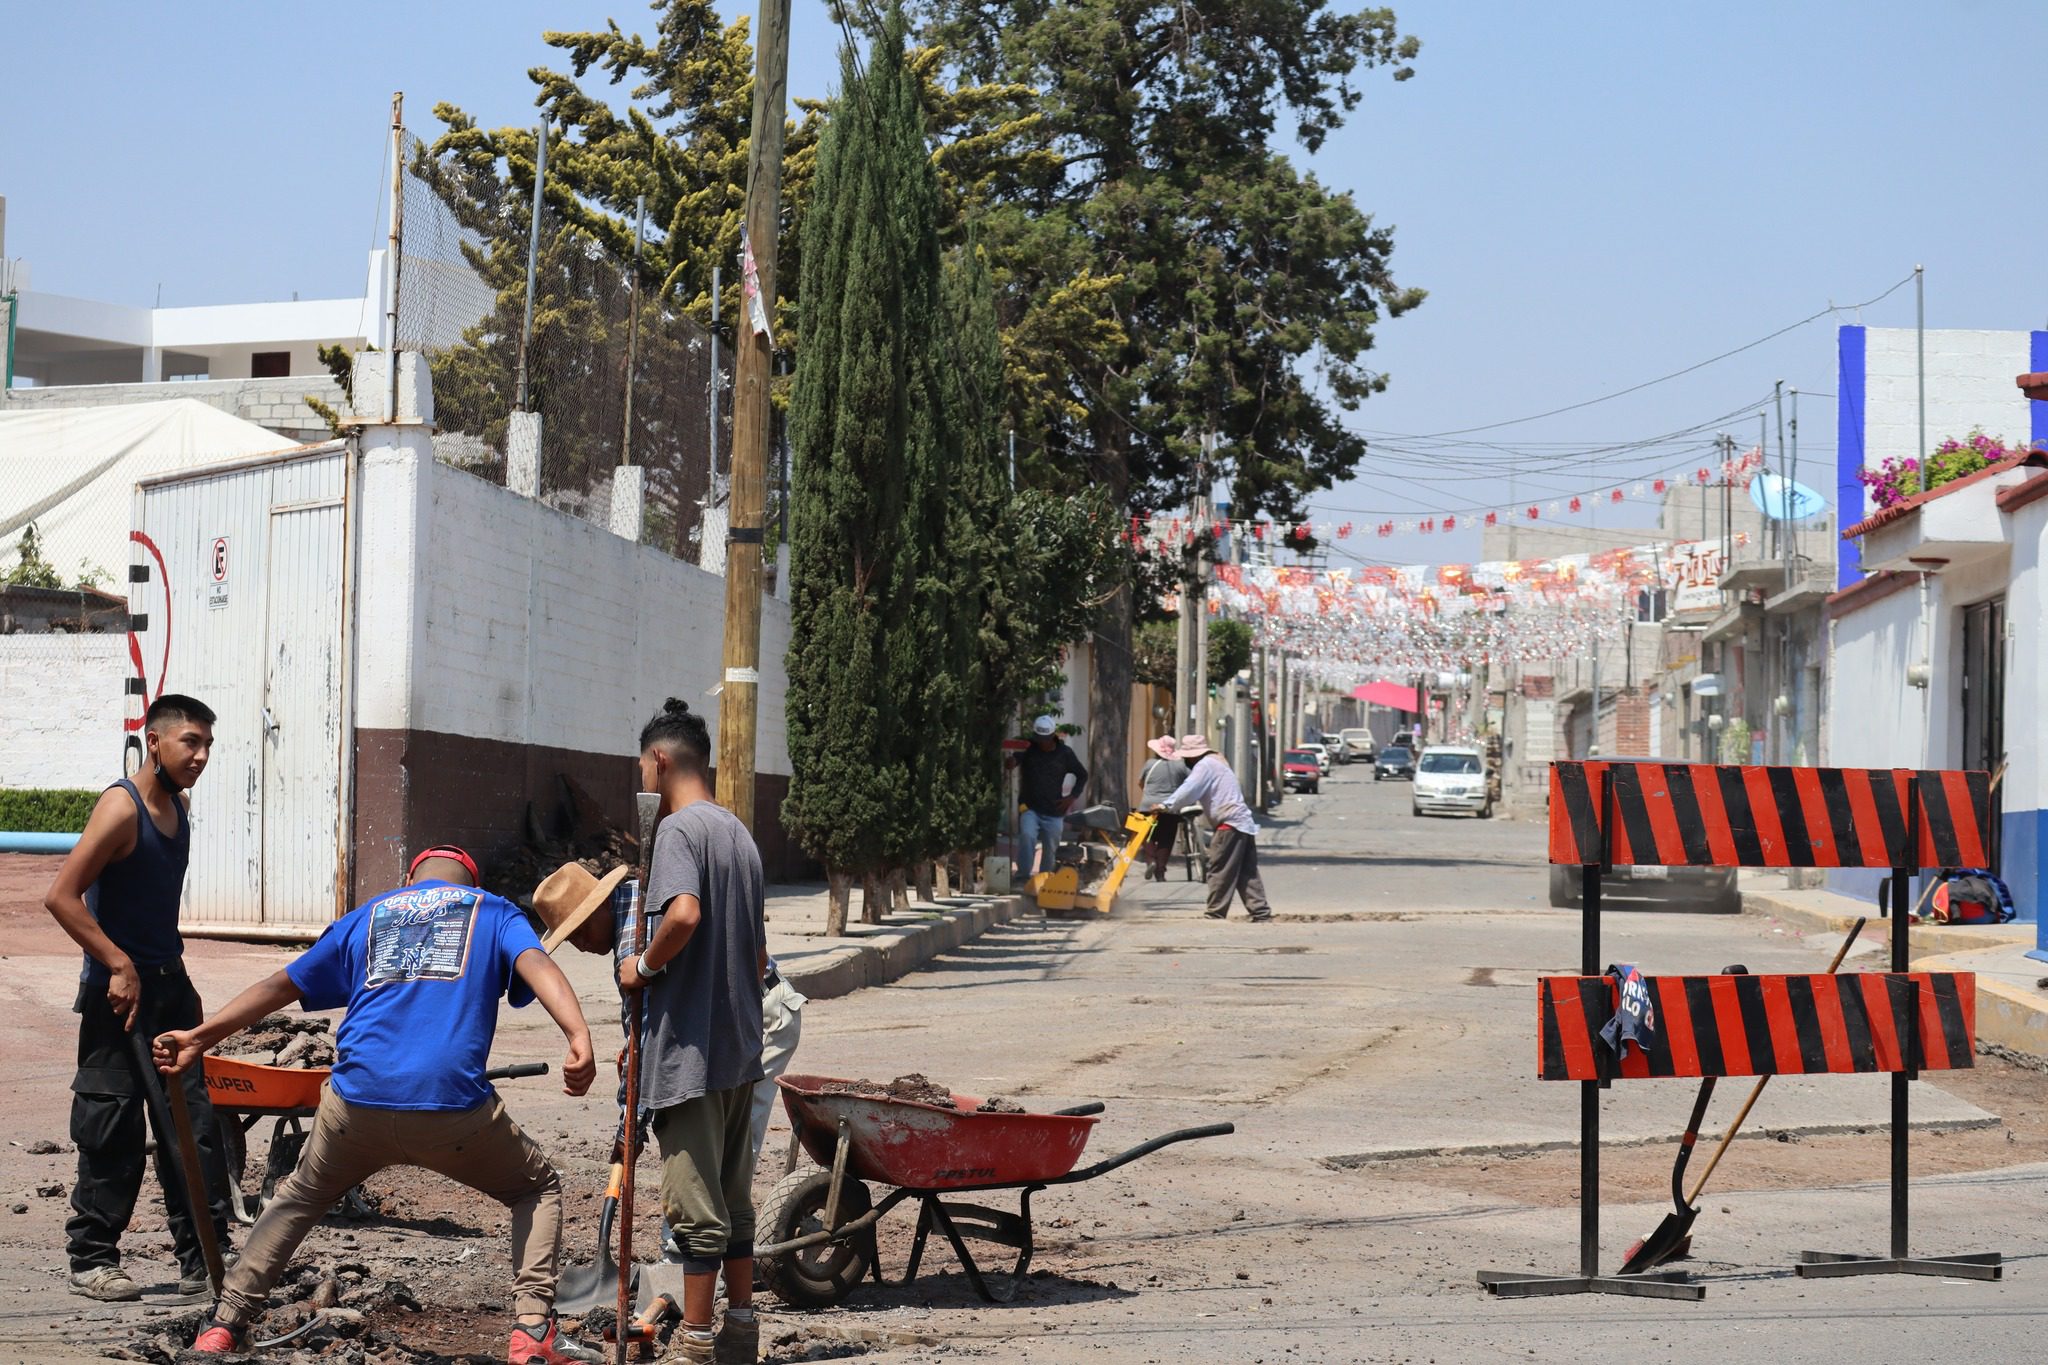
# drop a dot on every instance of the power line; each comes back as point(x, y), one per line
point(1675, 374)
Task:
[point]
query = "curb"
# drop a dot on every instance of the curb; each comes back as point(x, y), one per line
point(2008, 1016)
point(894, 949)
point(1352, 1161)
point(1922, 940)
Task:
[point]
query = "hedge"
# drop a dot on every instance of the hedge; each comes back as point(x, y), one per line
point(39, 810)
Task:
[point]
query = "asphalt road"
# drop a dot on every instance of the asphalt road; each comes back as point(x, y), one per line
point(1387, 1020)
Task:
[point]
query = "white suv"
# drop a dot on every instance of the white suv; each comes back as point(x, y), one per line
point(1452, 777)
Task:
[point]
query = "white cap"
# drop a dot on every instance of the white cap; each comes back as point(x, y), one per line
point(1042, 726)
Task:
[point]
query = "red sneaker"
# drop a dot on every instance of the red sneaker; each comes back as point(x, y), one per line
point(549, 1348)
point(218, 1339)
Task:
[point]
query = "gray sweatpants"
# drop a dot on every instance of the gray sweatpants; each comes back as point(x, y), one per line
point(1234, 868)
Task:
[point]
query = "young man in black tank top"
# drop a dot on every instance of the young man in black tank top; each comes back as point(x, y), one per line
point(117, 895)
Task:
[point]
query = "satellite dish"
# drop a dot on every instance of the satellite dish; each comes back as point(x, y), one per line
point(1783, 500)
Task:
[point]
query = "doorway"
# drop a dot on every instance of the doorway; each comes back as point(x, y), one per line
point(1983, 701)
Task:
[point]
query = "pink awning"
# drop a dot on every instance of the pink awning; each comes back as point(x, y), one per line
point(1394, 696)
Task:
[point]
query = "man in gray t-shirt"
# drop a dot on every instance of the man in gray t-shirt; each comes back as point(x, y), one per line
point(701, 1052)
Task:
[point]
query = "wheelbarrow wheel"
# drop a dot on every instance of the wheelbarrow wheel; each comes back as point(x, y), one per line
point(818, 1276)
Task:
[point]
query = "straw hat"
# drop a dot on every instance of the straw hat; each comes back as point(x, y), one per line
point(568, 897)
point(1193, 746)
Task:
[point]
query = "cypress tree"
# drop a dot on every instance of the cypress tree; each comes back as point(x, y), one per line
point(848, 782)
point(976, 558)
point(869, 423)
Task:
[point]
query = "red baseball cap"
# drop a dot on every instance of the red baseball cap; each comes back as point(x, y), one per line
point(449, 851)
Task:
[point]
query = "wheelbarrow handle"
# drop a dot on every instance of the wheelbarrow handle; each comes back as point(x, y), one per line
point(1207, 1130)
point(1080, 1111)
point(515, 1072)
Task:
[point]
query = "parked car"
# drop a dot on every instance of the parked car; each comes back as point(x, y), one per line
point(1333, 751)
point(1394, 761)
point(1324, 760)
point(1704, 888)
point(1403, 739)
point(1302, 769)
point(1450, 778)
point(1359, 744)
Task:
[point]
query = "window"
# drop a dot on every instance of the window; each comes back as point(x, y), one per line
point(1450, 763)
point(270, 364)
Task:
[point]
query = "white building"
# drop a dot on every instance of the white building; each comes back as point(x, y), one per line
point(1934, 639)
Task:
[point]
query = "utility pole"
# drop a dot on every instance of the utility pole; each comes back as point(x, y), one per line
point(397, 247)
point(540, 179)
point(711, 407)
point(739, 702)
point(1593, 740)
point(633, 330)
point(1200, 663)
point(1791, 526)
point(1784, 489)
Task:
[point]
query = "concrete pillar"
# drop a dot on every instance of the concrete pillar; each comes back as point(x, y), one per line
point(629, 487)
point(152, 365)
point(522, 454)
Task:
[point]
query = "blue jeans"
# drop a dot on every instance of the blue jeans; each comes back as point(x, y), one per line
point(1037, 832)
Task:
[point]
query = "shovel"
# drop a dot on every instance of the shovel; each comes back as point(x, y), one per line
point(1672, 1238)
point(173, 1116)
point(584, 1287)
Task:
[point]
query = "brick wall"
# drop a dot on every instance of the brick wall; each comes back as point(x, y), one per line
point(62, 696)
point(279, 404)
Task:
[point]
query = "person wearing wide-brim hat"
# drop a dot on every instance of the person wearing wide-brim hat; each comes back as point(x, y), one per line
point(1158, 780)
point(1234, 847)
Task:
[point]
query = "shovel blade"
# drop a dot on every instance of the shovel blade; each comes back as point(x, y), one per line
point(583, 1287)
point(1671, 1239)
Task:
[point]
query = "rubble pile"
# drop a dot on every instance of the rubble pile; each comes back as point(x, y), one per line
point(296, 1041)
point(590, 839)
point(342, 1303)
point(918, 1088)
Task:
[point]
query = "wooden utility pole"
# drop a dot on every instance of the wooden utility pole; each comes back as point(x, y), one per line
point(739, 702)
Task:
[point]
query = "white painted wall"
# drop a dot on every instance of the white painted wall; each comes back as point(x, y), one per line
point(2026, 677)
point(1969, 384)
point(1873, 645)
point(489, 615)
point(62, 696)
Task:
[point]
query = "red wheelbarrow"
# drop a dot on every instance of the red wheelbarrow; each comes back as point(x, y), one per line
point(818, 1226)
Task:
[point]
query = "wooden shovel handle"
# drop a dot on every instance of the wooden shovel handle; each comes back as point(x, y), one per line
point(1758, 1089)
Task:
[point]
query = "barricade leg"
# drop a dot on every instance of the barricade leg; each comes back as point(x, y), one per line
point(1522, 1284)
point(1981, 1265)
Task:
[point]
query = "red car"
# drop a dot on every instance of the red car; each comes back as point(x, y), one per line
point(1300, 770)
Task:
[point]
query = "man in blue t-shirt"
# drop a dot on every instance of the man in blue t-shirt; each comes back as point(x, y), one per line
point(420, 971)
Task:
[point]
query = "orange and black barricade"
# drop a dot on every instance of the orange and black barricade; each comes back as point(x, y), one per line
point(1895, 1023)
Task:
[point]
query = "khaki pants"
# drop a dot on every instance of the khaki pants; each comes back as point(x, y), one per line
point(1234, 869)
point(707, 1176)
point(481, 1147)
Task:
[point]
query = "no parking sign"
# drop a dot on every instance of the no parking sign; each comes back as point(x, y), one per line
point(217, 593)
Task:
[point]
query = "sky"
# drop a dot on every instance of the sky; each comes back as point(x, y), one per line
point(1594, 194)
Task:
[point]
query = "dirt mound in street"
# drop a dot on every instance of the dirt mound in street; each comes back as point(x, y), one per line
point(917, 1088)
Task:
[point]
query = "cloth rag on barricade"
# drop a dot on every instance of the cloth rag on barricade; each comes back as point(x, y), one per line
point(1635, 1018)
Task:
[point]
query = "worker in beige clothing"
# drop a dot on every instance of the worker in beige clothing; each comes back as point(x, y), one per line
point(421, 970)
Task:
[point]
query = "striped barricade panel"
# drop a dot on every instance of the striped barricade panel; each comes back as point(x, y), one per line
point(1763, 1025)
point(1718, 815)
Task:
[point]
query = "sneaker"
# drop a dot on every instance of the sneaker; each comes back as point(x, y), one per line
point(549, 1348)
point(219, 1339)
point(107, 1283)
point(738, 1341)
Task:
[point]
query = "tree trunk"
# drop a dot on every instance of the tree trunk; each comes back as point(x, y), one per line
point(871, 907)
point(964, 873)
point(1109, 705)
point(926, 888)
point(841, 884)
point(942, 879)
point(899, 890)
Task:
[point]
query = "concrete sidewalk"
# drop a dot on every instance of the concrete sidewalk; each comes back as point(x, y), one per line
point(2012, 1004)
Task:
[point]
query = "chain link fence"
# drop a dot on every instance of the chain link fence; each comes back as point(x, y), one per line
point(614, 376)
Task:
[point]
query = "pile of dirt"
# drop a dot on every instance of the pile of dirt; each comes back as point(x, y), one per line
point(996, 1104)
point(589, 837)
point(297, 1041)
point(916, 1088)
point(340, 1307)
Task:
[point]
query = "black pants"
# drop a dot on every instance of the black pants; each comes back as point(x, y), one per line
point(107, 1117)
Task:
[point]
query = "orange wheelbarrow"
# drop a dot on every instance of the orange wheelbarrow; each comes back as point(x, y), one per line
point(245, 1093)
